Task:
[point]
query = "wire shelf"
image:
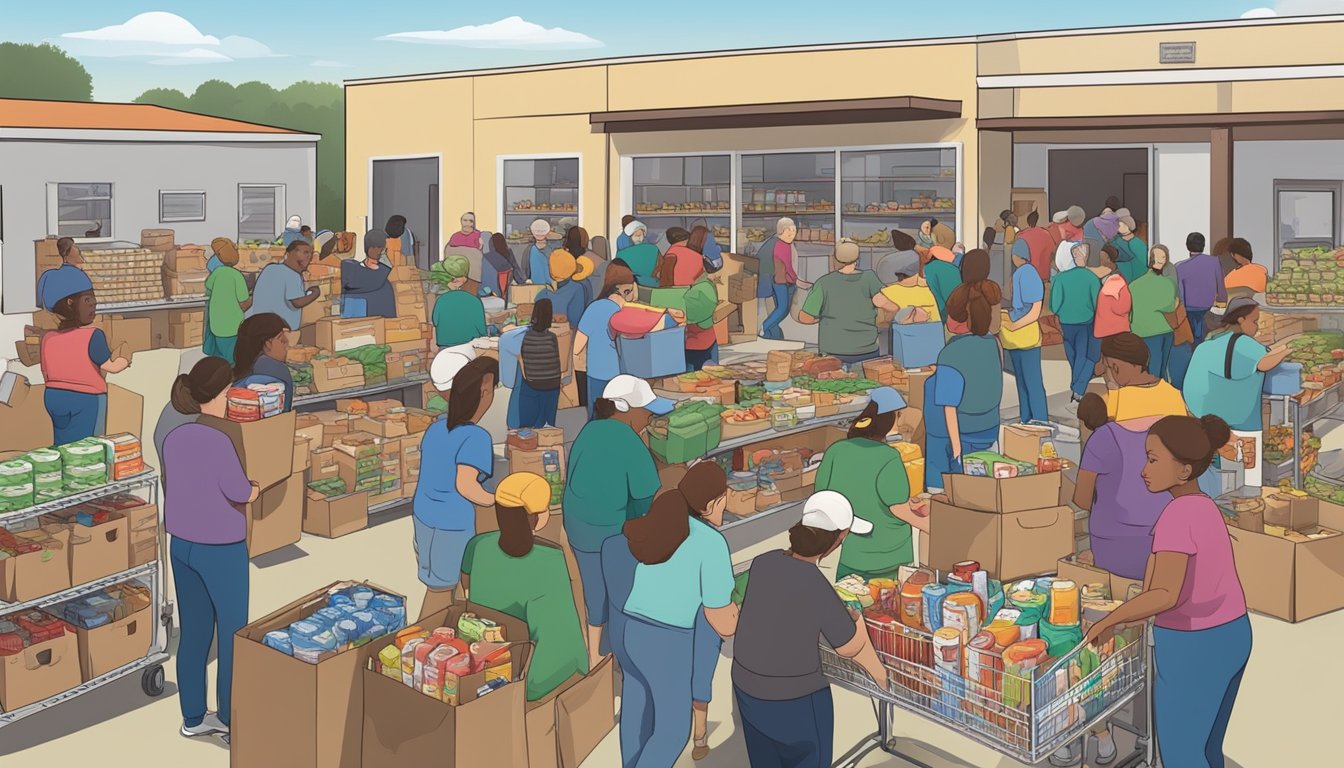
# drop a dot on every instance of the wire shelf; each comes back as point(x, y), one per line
point(141, 480)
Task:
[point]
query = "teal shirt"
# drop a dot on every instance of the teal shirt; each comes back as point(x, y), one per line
point(1237, 399)
point(459, 318)
point(1134, 268)
point(699, 573)
point(1151, 297)
point(611, 479)
point(1073, 296)
point(942, 278)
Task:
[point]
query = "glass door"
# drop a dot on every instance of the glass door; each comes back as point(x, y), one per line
point(795, 185)
point(895, 189)
point(686, 191)
point(544, 188)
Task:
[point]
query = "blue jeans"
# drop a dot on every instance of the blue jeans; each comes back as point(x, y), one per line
point(1198, 675)
point(1030, 385)
point(1078, 349)
point(595, 387)
point(1159, 351)
point(850, 360)
point(655, 693)
point(939, 460)
point(783, 296)
point(536, 407)
point(1178, 362)
point(704, 660)
point(594, 585)
point(1197, 317)
point(794, 733)
point(211, 581)
point(75, 415)
point(696, 358)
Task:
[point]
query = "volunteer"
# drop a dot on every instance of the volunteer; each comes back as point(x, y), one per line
point(1225, 378)
point(1037, 245)
point(1153, 296)
point(1132, 391)
point(538, 261)
point(537, 389)
point(369, 280)
point(943, 276)
point(610, 478)
point(871, 474)
point(783, 279)
point(1199, 280)
point(1073, 299)
point(569, 271)
point(280, 288)
point(1247, 277)
point(1021, 336)
point(593, 337)
point(263, 345)
point(469, 236)
point(1114, 302)
point(684, 267)
point(904, 287)
point(75, 358)
point(499, 268)
point(459, 455)
point(924, 241)
point(458, 316)
point(705, 488)
point(964, 391)
point(1132, 252)
point(784, 700)
point(1201, 632)
point(1067, 225)
point(204, 488)
point(641, 256)
point(515, 572)
point(684, 568)
point(843, 304)
point(226, 299)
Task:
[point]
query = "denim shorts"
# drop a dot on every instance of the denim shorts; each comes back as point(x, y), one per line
point(439, 555)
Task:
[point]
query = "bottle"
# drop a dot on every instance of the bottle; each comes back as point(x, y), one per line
point(551, 468)
point(1063, 603)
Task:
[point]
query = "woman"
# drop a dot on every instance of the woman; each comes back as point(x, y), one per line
point(899, 271)
point(444, 508)
point(624, 239)
point(538, 388)
point(684, 267)
point(1225, 378)
point(1132, 251)
point(593, 338)
point(204, 488)
point(1247, 277)
point(612, 479)
point(943, 276)
point(226, 299)
point(972, 280)
point(514, 572)
point(870, 473)
point(1114, 302)
point(569, 270)
point(924, 241)
point(702, 242)
point(263, 345)
point(75, 358)
point(788, 716)
point(538, 253)
point(458, 315)
point(1201, 633)
point(966, 388)
point(1132, 391)
point(499, 268)
point(1153, 299)
point(469, 236)
point(640, 256)
point(706, 490)
point(784, 281)
point(1021, 337)
point(684, 568)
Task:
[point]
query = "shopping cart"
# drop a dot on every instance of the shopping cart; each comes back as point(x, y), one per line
point(1025, 714)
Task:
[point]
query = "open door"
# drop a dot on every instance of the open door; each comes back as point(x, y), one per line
point(409, 187)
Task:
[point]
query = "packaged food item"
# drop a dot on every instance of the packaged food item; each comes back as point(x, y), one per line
point(389, 662)
point(883, 591)
point(473, 628)
point(436, 666)
point(1005, 628)
point(408, 660)
point(912, 603)
point(1019, 659)
point(983, 665)
point(947, 645)
point(1060, 639)
point(1063, 602)
point(961, 612)
point(933, 605)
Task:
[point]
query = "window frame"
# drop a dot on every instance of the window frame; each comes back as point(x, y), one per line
point(54, 209)
point(280, 192)
point(175, 219)
point(1333, 186)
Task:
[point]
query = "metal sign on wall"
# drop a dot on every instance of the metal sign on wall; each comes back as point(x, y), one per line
point(1176, 53)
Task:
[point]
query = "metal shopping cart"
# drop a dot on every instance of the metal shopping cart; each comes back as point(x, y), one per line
point(1025, 714)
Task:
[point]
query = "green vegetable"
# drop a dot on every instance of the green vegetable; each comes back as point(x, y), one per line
point(373, 357)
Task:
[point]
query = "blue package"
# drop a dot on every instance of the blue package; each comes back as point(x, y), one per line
point(279, 640)
point(327, 616)
point(361, 596)
point(346, 631)
point(338, 599)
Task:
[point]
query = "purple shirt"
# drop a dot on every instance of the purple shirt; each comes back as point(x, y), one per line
point(1211, 595)
point(1123, 510)
point(204, 485)
point(1200, 281)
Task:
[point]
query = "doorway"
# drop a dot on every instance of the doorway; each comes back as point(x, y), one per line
point(1086, 177)
point(409, 187)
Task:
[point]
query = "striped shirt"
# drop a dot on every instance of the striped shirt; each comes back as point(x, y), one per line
point(541, 359)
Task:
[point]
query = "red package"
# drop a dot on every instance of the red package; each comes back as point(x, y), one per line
point(40, 626)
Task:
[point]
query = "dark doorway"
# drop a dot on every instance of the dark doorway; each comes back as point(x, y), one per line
point(410, 188)
point(1086, 177)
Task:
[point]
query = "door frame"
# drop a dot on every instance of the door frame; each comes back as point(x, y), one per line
point(437, 250)
point(1151, 147)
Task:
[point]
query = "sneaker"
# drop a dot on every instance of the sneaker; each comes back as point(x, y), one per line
point(1067, 756)
point(1105, 750)
point(211, 724)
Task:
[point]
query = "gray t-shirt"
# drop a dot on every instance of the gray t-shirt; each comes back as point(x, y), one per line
point(277, 286)
point(169, 420)
point(788, 608)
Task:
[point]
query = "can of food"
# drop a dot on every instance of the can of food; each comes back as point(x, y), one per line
point(912, 604)
point(1063, 608)
point(933, 606)
point(883, 591)
point(983, 665)
point(1031, 605)
point(947, 644)
point(1004, 630)
point(1096, 591)
point(961, 611)
point(962, 571)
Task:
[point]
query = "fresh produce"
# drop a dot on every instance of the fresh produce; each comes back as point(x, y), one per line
point(331, 486)
point(835, 386)
point(1307, 277)
point(691, 413)
point(1279, 446)
point(373, 357)
point(757, 412)
point(1322, 489)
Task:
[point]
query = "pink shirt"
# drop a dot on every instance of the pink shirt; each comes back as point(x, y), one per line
point(784, 263)
point(1113, 305)
point(461, 240)
point(1211, 595)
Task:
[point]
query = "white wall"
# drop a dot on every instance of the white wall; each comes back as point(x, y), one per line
point(1031, 165)
point(1255, 166)
point(1182, 195)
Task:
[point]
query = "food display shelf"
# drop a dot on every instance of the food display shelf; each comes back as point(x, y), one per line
point(318, 398)
point(898, 214)
point(152, 305)
point(1304, 310)
point(86, 588)
point(141, 480)
point(1300, 415)
point(530, 211)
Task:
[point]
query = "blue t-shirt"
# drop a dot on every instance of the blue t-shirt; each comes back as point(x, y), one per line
point(1236, 400)
point(1027, 290)
point(699, 573)
point(538, 265)
point(277, 287)
point(568, 299)
point(438, 503)
point(596, 325)
point(946, 387)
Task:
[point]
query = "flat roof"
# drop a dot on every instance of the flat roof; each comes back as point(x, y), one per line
point(56, 116)
point(834, 112)
point(863, 45)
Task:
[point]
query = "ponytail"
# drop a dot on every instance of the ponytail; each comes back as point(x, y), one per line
point(515, 530)
point(655, 537)
point(208, 378)
point(1193, 441)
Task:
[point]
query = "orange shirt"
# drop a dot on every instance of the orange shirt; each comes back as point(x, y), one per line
point(1252, 276)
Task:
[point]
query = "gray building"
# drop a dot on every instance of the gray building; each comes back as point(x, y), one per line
point(100, 173)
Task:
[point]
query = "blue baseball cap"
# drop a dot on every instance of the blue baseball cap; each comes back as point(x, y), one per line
point(887, 399)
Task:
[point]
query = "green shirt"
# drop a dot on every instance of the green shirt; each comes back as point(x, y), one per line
point(611, 479)
point(1151, 296)
point(872, 476)
point(459, 318)
point(1073, 296)
point(843, 306)
point(533, 588)
point(1138, 263)
point(942, 278)
point(225, 291)
point(699, 573)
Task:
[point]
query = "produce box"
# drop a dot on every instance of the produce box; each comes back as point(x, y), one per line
point(1293, 575)
point(334, 374)
point(96, 550)
point(41, 670)
point(335, 515)
point(338, 334)
point(45, 570)
point(266, 447)
point(1006, 494)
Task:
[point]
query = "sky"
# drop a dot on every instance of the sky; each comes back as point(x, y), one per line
point(130, 47)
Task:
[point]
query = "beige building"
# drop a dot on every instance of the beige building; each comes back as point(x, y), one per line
point(1216, 127)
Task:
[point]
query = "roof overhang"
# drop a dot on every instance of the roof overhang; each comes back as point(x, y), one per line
point(197, 137)
point(1220, 120)
point(885, 110)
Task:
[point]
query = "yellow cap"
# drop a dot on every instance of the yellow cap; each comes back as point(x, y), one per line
point(526, 490)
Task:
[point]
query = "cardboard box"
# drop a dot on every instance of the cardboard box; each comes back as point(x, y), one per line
point(525, 294)
point(1295, 511)
point(266, 447)
point(34, 575)
point(916, 379)
point(1293, 581)
point(534, 462)
point(1009, 494)
point(337, 373)
point(1023, 441)
point(186, 335)
point(292, 713)
point(337, 334)
point(99, 550)
point(1008, 545)
point(308, 425)
point(564, 727)
point(335, 516)
point(1087, 573)
point(143, 533)
point(275, 519)
point(382, 426)
point(113, 645)
point(126, 335)
point(41, 671)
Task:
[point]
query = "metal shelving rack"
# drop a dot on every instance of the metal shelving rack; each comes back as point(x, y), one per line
point(1300, 415)
point(410, 384)
point(150, 666)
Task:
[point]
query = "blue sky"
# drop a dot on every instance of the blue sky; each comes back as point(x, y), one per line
point(130, 46)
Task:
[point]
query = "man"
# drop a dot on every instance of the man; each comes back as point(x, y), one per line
point(459, 315)
point(538, 253)
point(1154, 303)
point(1073, 298)
point(293, 231)
point(1133, 252)
point(469, 236)
point(400, 243)
point(942, 276)
point(1068, 224)
point(1199, 280)
point(280, 287)
point(844, 304)
point(1022, 340)
point(226, 300)
point(1037, 245)
point(1245, 278)
point(368, 280)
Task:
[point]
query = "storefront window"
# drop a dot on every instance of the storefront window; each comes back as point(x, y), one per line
point(796, 185)
point(534, 189)
point(684, 192)
point(1307, 214)
point(886, 190)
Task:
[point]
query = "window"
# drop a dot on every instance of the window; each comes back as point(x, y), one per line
point(181, 205)
point(259, 211)
point(1306, 214)
point(80, 210)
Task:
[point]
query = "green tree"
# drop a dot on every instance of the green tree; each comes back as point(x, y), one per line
point(42, 72)
point(303, 106)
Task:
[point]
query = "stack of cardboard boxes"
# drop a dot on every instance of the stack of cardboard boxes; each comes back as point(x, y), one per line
point(1289, 552)
point(409, 289)
point(186, 328)
point(266, 448)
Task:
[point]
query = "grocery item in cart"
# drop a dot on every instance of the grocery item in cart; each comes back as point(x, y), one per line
point(962, 612)
point(933, 595)
point(912, 600)
point(1063, 602)
point(1019, 659)
point(1060, 639)
point(947, 650)
point(1004, 627)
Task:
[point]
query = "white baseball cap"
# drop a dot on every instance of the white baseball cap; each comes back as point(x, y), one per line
point(447, 364)
point(830, 511)
point(633, 392)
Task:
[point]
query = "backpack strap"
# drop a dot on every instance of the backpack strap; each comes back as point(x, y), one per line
point(1227, 359)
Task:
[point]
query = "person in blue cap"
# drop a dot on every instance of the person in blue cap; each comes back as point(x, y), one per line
point(75, 357)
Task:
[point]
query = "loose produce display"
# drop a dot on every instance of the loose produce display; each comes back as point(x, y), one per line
point(1307, 277)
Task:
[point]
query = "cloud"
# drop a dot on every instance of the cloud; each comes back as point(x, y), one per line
point(162, 38)
point(1296, 8)
point(513, 32)
point(325, 63)
point(1260, 13)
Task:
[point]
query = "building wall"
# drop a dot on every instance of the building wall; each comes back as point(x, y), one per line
point(1257, 164)
point(1182, 191)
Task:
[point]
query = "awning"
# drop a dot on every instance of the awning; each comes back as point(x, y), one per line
point(1219, 120)
point(837, 112)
